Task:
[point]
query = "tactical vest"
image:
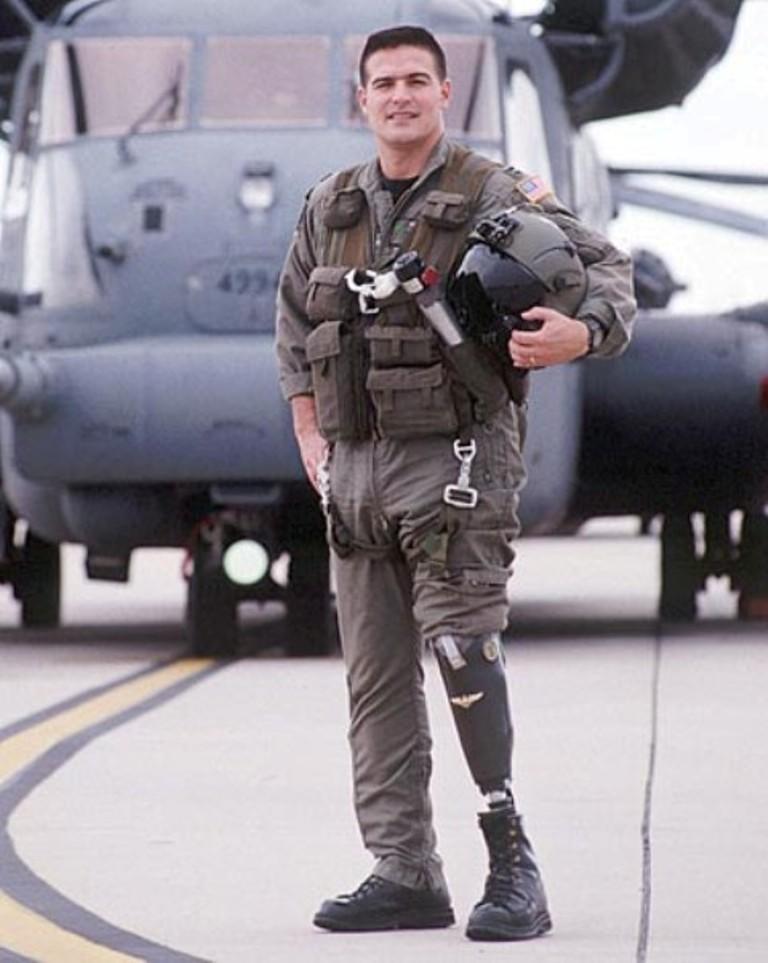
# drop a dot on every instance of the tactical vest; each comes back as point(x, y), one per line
point(388, 374)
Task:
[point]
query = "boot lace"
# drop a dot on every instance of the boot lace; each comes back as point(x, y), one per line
point(367, 886)
point(505, 872)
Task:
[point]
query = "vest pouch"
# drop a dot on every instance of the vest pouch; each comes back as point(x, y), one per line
point(480, 377)
point(335, 355)
point(328, 297)
point(446, 210)
point(345, 208)
point(412, 402)
point(395, 345)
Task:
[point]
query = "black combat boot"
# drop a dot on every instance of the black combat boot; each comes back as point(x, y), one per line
point(378, 904)
point(513, 906)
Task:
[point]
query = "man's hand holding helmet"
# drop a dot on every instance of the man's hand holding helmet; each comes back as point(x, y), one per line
point(559, 339)
point(517, 287)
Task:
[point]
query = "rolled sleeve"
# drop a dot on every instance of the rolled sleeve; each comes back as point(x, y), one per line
point(609, 298)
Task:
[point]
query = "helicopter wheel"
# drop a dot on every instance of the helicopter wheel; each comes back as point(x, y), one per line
point(311, 621)
point(212, 627)
point(680, 574)
point(753, 568)
point(37, 582)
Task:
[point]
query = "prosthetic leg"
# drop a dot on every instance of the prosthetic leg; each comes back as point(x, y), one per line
point(513, 905)
point(472, 667)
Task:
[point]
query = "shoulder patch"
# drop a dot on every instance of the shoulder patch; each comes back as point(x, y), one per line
point(533, 188)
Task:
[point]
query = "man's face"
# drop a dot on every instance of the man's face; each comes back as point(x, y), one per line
point(403, 98)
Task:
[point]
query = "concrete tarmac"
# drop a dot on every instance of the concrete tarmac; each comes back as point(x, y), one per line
point(211, 824)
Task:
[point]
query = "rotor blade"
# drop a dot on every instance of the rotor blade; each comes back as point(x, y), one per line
point(23, 12)
point(688, 208)
point(717, 177)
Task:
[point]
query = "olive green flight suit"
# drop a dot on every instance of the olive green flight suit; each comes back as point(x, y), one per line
point(409, 567)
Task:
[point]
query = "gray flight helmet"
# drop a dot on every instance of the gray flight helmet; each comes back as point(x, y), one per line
point(512, 261)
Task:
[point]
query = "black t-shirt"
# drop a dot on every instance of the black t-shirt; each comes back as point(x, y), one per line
point(397, 187)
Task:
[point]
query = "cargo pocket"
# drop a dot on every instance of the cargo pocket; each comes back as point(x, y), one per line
point(479, 581)
point(328, 297)
point(323, 349)
point(335, 356)
point(395, 345)
point(412, 402)
point(446, 210)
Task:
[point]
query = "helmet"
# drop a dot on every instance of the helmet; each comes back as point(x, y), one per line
point(512, 261)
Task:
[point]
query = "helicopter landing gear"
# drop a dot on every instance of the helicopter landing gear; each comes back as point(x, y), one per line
point(680, 570)
point(211, 615)
point(752, 580)
point(37, 582)
point(311, 622)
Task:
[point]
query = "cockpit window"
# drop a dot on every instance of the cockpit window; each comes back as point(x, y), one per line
point(474, 108)
point(103, 86)
point(266, 81)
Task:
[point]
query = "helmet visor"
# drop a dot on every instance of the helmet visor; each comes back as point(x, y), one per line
point(489, 291)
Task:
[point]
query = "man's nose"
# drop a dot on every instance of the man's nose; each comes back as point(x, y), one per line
point(401, 92)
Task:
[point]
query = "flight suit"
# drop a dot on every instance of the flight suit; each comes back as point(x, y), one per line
point(409, 567)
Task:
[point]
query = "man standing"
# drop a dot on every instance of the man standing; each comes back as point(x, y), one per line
point(384, 423)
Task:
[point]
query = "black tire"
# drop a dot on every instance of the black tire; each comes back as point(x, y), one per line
point(753, 568)
point(212, 627)
point(37, 583)
point(680, 570)
point(310, 618)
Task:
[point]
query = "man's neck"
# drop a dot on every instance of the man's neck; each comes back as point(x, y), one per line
point(401, 163)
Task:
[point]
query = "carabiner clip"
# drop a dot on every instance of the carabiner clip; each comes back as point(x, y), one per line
point(462, 494)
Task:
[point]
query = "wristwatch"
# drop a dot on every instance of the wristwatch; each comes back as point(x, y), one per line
point(596, 333)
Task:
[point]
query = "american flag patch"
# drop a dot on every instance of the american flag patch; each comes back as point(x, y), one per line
point(534, 189)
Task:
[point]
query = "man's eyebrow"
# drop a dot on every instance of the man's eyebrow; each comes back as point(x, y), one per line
point(415, 74)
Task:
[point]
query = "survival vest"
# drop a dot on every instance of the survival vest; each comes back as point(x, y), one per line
point(388, 373)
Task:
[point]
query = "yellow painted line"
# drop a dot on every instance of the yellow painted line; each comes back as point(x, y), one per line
point(18, 751)
point(35, 937)
point(22, 930)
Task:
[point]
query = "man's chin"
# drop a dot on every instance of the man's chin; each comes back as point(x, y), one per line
point(403, 136)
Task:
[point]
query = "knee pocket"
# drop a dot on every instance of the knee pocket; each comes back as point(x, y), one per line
point(470, 582)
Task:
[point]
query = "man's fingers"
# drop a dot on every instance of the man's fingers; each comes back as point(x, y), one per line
point(527, 338)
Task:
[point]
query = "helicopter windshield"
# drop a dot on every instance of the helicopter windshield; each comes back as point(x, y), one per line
point(472, 67)
point(99, 86)
point(526, 134)
point(266, 81)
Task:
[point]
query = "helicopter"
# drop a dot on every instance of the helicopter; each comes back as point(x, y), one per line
point(159, 153)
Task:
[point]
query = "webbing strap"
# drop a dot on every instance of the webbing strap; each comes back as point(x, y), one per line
point(350, 245)
point(465, 172)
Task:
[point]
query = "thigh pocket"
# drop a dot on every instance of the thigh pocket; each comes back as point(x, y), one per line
point(412, 402)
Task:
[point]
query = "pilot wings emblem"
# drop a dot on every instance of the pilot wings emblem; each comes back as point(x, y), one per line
point(465, 701)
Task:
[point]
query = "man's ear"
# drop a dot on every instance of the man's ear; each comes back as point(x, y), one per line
point(446, 90)
point(362, 99)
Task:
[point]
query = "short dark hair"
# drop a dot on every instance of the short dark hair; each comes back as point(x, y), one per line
point(405, 36)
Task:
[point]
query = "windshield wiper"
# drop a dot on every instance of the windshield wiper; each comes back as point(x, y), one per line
point(171, 95)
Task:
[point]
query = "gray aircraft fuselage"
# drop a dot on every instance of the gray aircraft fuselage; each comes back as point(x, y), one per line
point(140, 259)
